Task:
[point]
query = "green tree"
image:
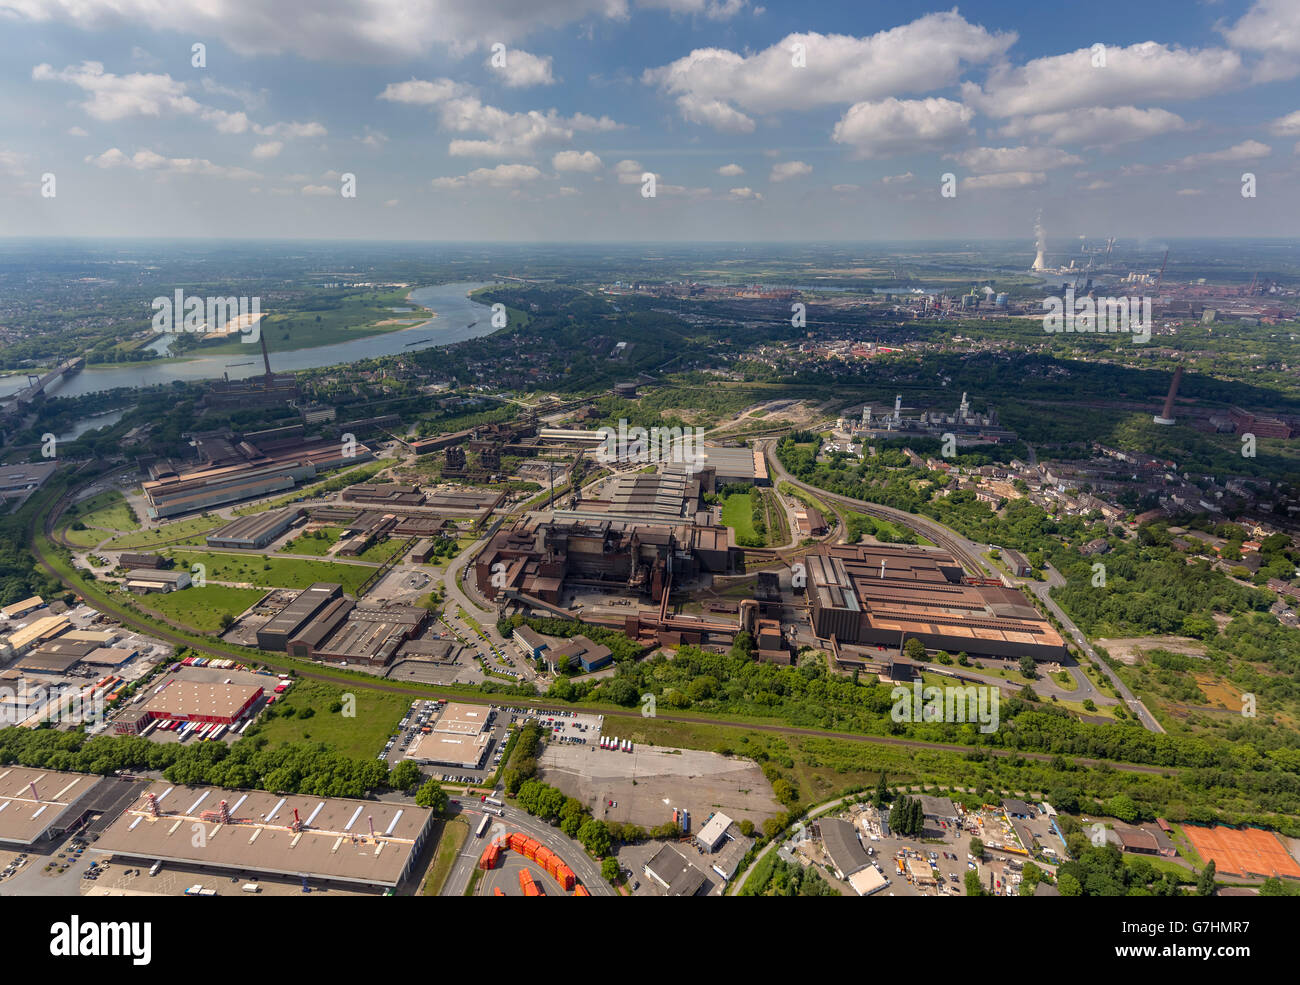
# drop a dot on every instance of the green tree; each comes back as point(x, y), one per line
point(433, 796)
point(1205, 884)
point(973, 886)
point(609, 870)
point(405, 775)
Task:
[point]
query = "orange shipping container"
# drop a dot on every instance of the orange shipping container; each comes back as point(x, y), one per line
point(530, 848)
point(564, 876)
point(498, 891)
point(490, 856)
point(517, 839)
point(544, 857)
point(580, 890)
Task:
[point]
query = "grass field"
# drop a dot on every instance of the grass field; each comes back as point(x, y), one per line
point(171, 533)
point(274, 572)
point(202, 608)
point(317, 542)
point(454, 833)
point(360, 736)
point(738, 514)
point(103, 514)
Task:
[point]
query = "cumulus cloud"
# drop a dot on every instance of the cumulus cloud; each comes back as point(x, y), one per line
point(745, 195)
point(148, 160)
point(898, 179)
point(572, 160)
point(112, 97)
point(1286, 126)
point(373, 30)
point(731, 170)
point(989, 159)
point(507, 134)
point(718, 87)
point(1096, 125)
point(268, 150)
point(789, 169)
point(897, 126)
point(501, 176)
point(1242, 153)
point(1138, 73)
point(521, 69)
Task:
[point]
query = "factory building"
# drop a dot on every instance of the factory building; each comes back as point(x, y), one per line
point(289, 621)
point(231, 470)
point(40, 806)
point(335, 840)
point(191, 701)
point(252, 532)
point(884, 594)
point(538, 555)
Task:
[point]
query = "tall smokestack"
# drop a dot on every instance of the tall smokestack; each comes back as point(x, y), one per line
point(1166, 416)
point(1040, 242)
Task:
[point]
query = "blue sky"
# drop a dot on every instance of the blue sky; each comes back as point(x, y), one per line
point(810, 121)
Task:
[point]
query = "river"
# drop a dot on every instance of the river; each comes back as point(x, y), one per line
point(454, 313)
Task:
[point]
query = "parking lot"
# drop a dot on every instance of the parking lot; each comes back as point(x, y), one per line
point(422, 717)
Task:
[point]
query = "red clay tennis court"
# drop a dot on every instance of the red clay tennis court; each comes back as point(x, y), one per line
point(1245, 852)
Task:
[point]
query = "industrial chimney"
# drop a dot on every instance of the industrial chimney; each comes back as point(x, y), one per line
point(1166, 416)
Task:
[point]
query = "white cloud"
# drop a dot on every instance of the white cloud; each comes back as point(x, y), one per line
point(731, 170)
point(268, 150)
point(148, 160)
point(374, 30)
point(713, 113)
point(789, 169)
point(1096, 125)
point(898, 179)
point(319, 191)
point(117, 97)
point(501, 176)
point(717, 10)
point(895, 126)
point(1268, 26)
point(1242, 153)
point(846, 189)
point(522, 69)
point(508, 134)
point(423, 92)
point(745, 194)
point(1189, 192)
point(1286, 126)
point(1138, 73)
point(717, 87)
point(77, 132)
point(1008, 179)
point(572, 160)
point(629, 172)
point(989, 159)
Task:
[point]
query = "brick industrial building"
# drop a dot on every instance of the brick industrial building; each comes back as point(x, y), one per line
point(883, 594)
point(539, 555)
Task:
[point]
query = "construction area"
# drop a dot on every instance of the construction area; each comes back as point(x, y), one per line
point(646, 785)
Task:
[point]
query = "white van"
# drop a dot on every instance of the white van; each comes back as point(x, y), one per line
point(252, 887)
point(155, 868)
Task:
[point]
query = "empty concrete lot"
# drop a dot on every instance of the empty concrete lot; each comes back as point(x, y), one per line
point(648, 783)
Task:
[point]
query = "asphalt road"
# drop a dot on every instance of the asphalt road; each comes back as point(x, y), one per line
point(573, 854)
